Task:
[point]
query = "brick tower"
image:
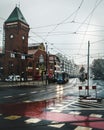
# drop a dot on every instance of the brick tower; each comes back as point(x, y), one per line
point(16, 31)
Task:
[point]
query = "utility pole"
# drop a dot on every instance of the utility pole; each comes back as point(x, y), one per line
point(46, 64)
point(88, 73)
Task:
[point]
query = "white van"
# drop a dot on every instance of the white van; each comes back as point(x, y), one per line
point(13, 78)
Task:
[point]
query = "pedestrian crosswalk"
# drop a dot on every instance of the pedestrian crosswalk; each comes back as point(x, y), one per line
point(77, 105)
point(85, 108)
point(69, 109)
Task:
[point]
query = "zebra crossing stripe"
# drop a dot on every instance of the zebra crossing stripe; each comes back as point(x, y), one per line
point(76, 105)
point(95, 115)
point(57, 125)
point(75, 112)
point(86, 105)
point(80, 108)
point(32, 120)
point(12, 117)
point(92, 104)
point(82, 128)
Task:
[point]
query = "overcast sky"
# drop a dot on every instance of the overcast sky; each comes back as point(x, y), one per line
point(66, 25)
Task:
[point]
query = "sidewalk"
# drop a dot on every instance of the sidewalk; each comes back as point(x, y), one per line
point(23, 84)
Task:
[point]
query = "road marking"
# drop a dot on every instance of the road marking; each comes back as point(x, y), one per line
point(57, 125)
point(83, 128)
point(8, 96)
point(12, 117)
point(21, 94)
point(79, 108)
point(76, 105)
point(75, 112)
point(91, 103)
point(34, 92)
point(27, 101)
point(68, 104)
point(95, 115)
point(32, 120)
point(56, 110)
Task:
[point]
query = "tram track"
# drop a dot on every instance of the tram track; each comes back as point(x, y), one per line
point(37, 94)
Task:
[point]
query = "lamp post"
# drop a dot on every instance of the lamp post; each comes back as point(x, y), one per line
point(46, 64)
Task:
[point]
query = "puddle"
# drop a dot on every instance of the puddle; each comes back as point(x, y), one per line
point(23, 109)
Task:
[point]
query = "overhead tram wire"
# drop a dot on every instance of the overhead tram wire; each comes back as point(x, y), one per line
point(70, 55)
point(95, 25)
point(89, 21)
point(71, 33)
point(57, 25)
point(77, 11)
point(33, 39)
point(65, 19)
point(58, 50)
point(85, 23)
point(97, 41)
point(75, 22)
point(63, 22)
point(90, 15)
point(38, 36)
point(88, 34)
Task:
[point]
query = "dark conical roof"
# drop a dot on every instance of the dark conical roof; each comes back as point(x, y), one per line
point(16, 15)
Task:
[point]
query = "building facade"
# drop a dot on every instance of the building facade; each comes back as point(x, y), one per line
point(53, 66)
point(30, 61)
point(36, 66)
point(15, 43)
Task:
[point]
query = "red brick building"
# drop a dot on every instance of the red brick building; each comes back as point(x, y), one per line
point(19, 58)
point(16, 31)
point(36, 66)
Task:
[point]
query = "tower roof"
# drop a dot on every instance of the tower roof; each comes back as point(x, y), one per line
point(16, 15)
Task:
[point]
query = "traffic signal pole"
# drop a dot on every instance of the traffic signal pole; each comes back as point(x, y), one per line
point(88, 72)
point(46, 64)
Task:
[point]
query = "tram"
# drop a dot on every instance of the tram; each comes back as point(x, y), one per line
point(62, 77)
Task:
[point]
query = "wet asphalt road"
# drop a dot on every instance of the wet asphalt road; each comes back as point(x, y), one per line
point(35, 93)
point(21, 105)
point(43, 92)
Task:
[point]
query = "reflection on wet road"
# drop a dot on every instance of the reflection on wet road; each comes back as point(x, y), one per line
point(18, 95)
point(44, 110)
point(53, 105)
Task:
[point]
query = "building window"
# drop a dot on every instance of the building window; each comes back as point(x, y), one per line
point(11, 36)
point(23, 57)
point(23, 37)
point(12, 55)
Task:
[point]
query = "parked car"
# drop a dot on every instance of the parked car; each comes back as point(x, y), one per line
point(13, 78)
